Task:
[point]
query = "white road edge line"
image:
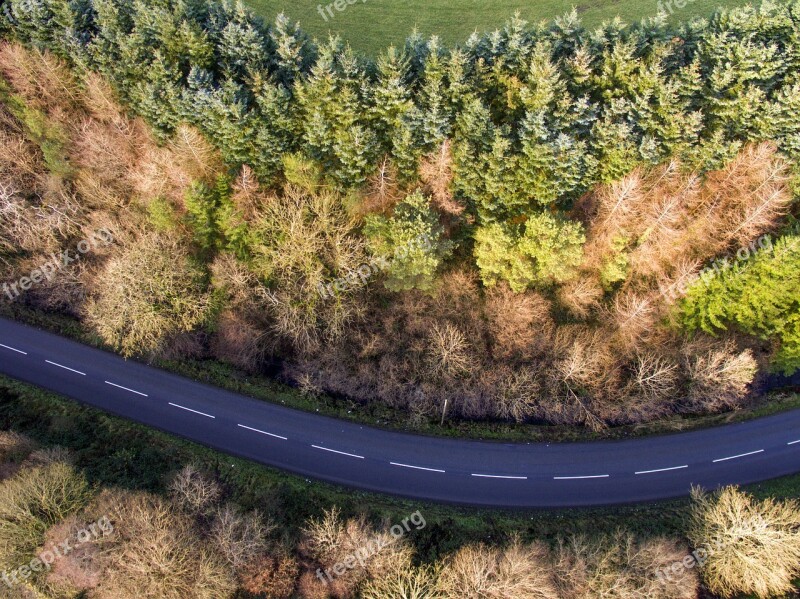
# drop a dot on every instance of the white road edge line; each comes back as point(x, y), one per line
point(190, 410)
point(19, 351)
point(580, 477)
point(352, 455)
point(66, 368)
point(126, 389)
point(661, 470)
point(416, 467)
point(794, 442)
point(255, 430)
point(498, 476)
point(741, 455)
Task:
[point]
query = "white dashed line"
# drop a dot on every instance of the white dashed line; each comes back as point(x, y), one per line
point(497, 476)
point(581, 477)
point(66, 368)
point(662, 470)
point(416, 467)
point(793, 442)
point(19, 351)
point(255, 430)
point(352, 455)
point(190, 410)
point(126, 389)
point(741, 455)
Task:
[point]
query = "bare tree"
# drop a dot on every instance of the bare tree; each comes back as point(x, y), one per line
point(752, 547)
point(481, 572)
point(436, 171)
point(619, 566)
point(720, 376)
point(448, 350)
point(240, 537)
point(195, 491)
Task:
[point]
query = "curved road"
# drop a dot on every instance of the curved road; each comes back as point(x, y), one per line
point(447, 470)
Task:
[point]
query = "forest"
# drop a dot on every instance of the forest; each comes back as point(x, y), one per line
point(570, 226)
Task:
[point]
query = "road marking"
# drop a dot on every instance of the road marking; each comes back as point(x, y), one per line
point(190, 410)
point(741, 455)
point(794, 442)
point(416, 467)
point(352, 455)
point(126, 389)
point(262, 432)
point(19, 351)
point(581, 477)
point(66, 368)
point(662, 470)
point(497, 476)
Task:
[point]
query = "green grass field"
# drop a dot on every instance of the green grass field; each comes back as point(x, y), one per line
point(371, 25)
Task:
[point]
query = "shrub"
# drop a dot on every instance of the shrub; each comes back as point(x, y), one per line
point(157, 552)
point(619, 566)
point(195, 491)
point(32, 501)
point(147, 295)
point(481, 572)
point(753, 546)
point(409, 582)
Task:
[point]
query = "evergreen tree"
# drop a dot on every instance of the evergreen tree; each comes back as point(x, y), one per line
point(294, 52)
point(760, 297)
point(411, 244)
point(548, 250)
point(331, 106)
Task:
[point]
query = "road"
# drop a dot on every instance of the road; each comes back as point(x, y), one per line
point(489, 474)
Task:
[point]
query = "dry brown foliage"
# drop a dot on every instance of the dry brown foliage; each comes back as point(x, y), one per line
point(448, 350)
point(519, 324)
point(580, 296)
point(436, 172)
point(311, 587)
point(667, 221)
point(79, 570)
point(383, 191)
point(240, 537)
point(518, 393)
point(275, 577)
point(330, 540)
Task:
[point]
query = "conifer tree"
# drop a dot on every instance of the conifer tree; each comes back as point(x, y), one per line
point(760, 297)
point(545, 251)
point(410, 243)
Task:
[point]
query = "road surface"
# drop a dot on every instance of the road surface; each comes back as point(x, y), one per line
point(489, 474)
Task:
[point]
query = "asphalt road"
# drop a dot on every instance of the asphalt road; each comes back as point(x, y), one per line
point(444, 470)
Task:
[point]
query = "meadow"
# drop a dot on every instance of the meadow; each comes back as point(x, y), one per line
point(371, 25)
